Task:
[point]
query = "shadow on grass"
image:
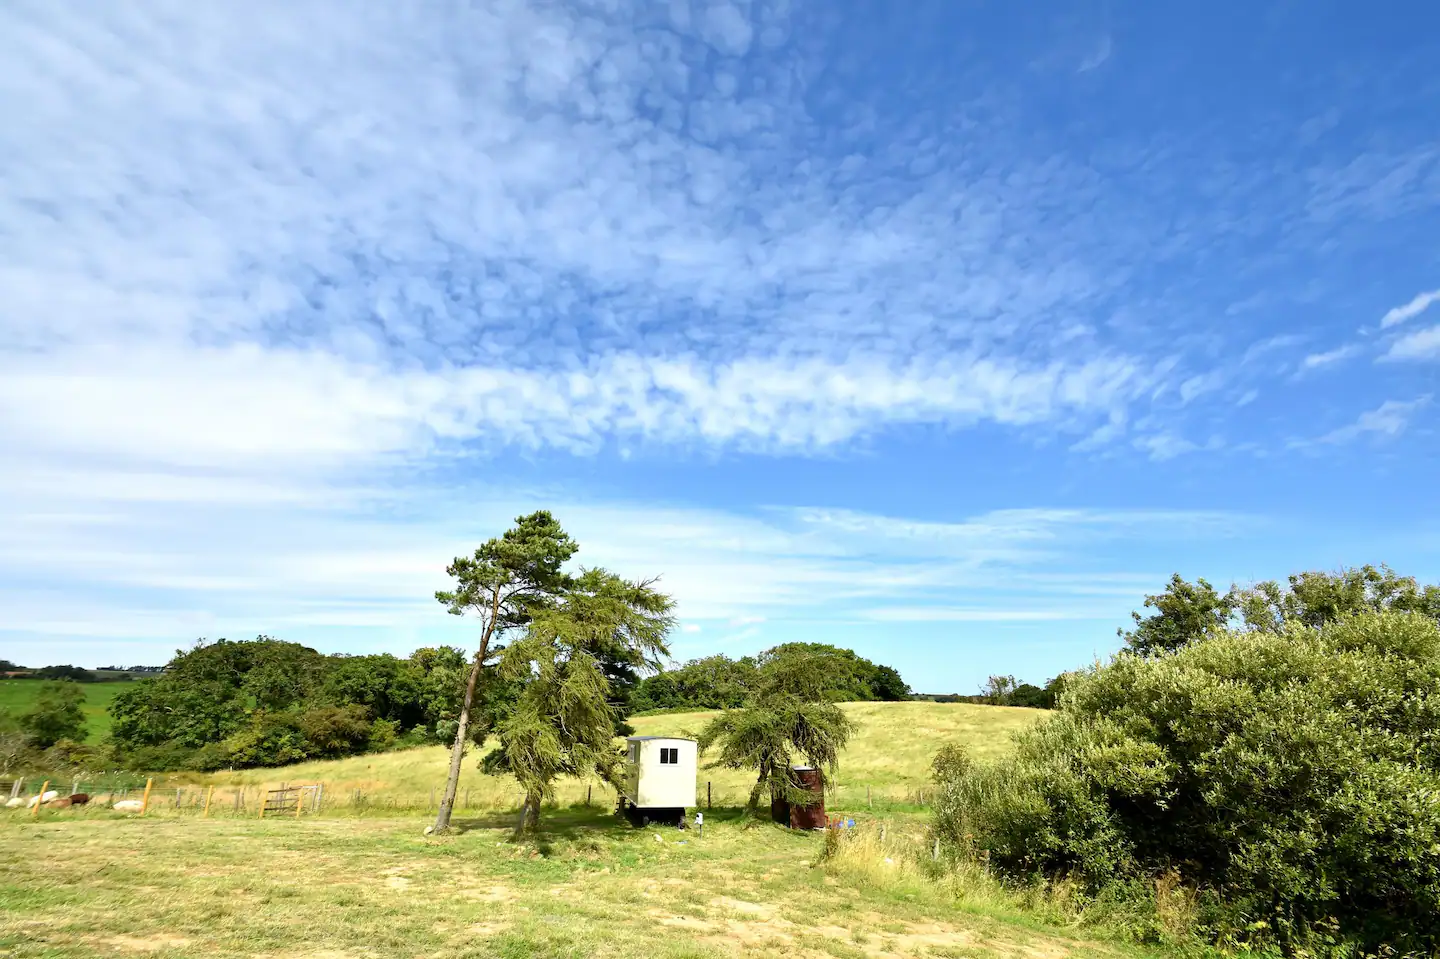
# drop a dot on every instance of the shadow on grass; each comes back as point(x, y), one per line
point(578, 823)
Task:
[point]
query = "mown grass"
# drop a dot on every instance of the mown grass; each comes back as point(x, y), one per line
point(81, 883)
point(886, 765)
point(19, 695)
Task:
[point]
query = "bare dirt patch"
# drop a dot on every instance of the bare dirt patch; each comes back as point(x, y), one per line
point(155, 943)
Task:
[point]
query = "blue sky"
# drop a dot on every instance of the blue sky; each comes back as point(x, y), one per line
point(945, 331)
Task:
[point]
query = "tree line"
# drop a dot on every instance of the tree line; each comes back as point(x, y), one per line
point(719, 682)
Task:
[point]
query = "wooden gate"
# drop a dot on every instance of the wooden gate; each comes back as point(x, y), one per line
point(290, 800)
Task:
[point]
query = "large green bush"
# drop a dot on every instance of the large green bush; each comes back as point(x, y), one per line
point(1293, 776)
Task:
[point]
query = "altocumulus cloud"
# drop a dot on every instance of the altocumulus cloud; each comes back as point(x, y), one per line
point(263, 263)
point(331, 229)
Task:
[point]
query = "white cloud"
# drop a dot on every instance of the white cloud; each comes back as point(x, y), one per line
point(1408, 311)
point(690, 627)
point(1389, 419)
point(1316, 361)
point(202, 407)
point(1419, 345)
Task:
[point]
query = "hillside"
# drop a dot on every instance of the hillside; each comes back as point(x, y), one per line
point(890, 756)
point(18, 696)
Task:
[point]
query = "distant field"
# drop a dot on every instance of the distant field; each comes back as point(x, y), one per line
point(888, 760)
point(19, 695)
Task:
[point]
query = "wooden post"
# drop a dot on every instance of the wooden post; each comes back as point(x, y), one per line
point(40, 800)
point(319, 796)
point(145, 803)
point(299, 802)
point(262, 802)
point(177, 799)
point(587, 796)
point(208, 793)
point(708, 795)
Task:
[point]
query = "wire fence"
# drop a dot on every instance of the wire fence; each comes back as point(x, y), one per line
point(325, 799)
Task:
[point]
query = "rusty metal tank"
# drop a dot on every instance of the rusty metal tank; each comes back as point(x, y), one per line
point(810, 815)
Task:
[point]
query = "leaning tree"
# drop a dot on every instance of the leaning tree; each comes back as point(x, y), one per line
point(788, 715)
point(563, 723)
point(507, 583)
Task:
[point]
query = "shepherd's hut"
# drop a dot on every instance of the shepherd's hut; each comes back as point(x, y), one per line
point(659, 779)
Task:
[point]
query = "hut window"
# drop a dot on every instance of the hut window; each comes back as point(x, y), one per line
point(669, 756)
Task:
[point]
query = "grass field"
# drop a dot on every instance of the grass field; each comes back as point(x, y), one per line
point(364, 882)
point(18, 695)
point(87, 883)
point(888, 761)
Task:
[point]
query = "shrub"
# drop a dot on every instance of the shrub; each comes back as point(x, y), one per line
point(56, 714)
point(1293, 776)
point(332, 731)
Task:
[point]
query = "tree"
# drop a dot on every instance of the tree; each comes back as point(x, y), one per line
point(56, 714)
point(887, 686)
point(1316, 598)
point(563, 722)
point(505, 584)
point(1184, 613)
point(789, 714)
point(997, 689)
point(1188, 612)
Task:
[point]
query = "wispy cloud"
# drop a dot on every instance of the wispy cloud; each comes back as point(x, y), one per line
point(1329, 358)
point(1388, 420)
point(1408, 311)
point(1420, 345)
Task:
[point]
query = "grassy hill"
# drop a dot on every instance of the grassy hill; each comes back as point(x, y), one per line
point(888, 760)
point(19, 695)
point(90, 882)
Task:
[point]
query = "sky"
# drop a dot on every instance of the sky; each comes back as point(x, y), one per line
point(943, 331)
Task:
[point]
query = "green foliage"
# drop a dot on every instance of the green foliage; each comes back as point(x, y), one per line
point(951, 763)
point(718, 682)
point(266, 702)
point(789, 715)
point(714, 682)
point(1293, 775)
point(563, 720)
point(72, 673)
point(1187, 612)
point(1183, 613)
point(56, 714)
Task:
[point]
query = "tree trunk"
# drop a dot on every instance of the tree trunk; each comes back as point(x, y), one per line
point(457, 752)
point(754, 803)
point(532, 812)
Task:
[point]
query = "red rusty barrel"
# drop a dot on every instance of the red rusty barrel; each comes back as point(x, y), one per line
point(810, 815)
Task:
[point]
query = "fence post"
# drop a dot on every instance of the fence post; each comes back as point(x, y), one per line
point(208, 793)
point(145, 803)
point(40, 800)
point(708, 795)
point(177, 799)
point(299, 802)
point(319, 796)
